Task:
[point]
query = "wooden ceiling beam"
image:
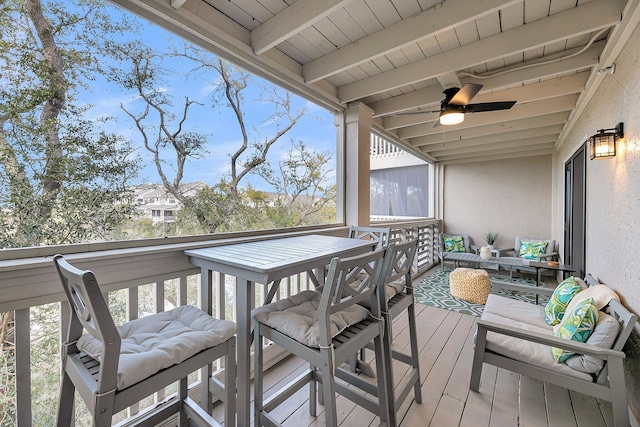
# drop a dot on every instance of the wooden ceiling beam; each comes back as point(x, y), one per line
point(292, 20)
point(491, 154)
point(514, 142)
point(440, 18)
point(493, 129)
point(583, 19)
point(537, 132)
point(502, 156)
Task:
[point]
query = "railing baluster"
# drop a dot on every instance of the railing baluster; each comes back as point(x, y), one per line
point(233, 303)
point(133, 311)
point(181, 291)
point(218, 287)
point(159, 296)
point(22, 337)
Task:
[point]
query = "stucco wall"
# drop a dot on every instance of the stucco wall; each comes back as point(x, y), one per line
point(613, 193)
point(511, 197)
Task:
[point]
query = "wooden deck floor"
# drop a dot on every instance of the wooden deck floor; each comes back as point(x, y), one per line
point(446, 348)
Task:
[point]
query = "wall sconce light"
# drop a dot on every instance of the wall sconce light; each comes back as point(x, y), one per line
point(603, 144)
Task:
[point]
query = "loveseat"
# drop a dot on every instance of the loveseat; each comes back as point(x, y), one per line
point(515, 335)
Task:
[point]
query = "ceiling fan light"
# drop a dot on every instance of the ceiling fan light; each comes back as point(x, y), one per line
point(451, 117)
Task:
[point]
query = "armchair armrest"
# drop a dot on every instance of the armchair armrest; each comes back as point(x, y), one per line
point(475, 249)
point(503, 252)
point(574, 346)
point(548, 256)
point(497, 285)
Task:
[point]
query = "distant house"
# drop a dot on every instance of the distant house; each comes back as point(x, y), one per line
point(154, 202)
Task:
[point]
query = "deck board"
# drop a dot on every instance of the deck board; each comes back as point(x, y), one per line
point(504, 411)
point(445, 341)
point(587, 410)
point(533, 410)
point(558, 400)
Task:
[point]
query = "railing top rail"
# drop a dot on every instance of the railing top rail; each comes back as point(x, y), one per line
point(31, 280)
point(207, 239)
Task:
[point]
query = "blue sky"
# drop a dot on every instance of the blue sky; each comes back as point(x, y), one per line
point(316, 129)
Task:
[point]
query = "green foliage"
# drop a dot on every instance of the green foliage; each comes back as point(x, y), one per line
point(62, 179)
point(304, 194)
point(490, 237)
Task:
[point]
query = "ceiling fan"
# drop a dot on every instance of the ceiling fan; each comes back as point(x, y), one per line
point(456, 103)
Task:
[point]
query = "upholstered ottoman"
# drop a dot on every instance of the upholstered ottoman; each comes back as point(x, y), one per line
point(470, 284)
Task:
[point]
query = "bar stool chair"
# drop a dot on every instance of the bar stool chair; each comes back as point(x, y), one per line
point(325, 329)
point(114, 367)
point(381, 235)
point(396, 299)
point(399, 298)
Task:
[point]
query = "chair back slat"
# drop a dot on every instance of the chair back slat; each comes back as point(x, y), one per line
point(627, 322)
point(89, 311)
point(352, 281)
point(400, 259)
point(381, 235)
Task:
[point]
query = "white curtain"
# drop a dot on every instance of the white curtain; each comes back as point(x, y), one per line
point(400, 191)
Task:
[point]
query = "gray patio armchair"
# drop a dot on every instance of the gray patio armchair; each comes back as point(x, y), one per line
point(444, 249)
point(550, 254)
point(513, 335)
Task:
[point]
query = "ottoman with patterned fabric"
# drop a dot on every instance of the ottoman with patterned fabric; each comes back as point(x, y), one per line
point(470, 284)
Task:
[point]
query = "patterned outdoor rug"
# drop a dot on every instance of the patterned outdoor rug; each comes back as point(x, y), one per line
point(434, 291)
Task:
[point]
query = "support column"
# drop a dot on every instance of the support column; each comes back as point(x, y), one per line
point(354, 139)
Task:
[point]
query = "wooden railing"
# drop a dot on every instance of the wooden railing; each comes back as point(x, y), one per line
point(140, 278)
point(383, 148)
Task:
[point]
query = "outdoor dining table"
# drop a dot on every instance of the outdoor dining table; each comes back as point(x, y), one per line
point(265, 261)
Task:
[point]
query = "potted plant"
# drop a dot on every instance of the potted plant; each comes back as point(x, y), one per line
point(490, 237)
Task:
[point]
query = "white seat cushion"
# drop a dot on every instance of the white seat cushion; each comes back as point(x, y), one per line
point(158, 341)
point(518, 311)
point(297, 317)
point(391, 289)
point(527, 351)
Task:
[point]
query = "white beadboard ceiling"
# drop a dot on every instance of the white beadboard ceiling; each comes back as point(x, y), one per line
point(396, 55)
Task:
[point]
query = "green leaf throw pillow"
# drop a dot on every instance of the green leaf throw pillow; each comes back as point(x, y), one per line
point(453, 243)
point(532, 249)
point(576, 326)
point(560, 299)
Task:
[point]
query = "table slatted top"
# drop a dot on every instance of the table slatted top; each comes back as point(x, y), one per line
point(266, 256)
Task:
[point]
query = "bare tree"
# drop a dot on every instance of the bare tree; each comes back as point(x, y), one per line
point(301, 183)
point(215, 206)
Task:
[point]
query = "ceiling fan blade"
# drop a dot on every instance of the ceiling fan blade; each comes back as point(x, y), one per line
point(488, 106)
point(465, 94)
